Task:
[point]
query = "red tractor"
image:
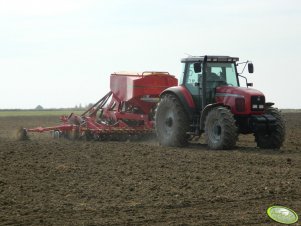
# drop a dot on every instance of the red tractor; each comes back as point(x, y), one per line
point(209, 100)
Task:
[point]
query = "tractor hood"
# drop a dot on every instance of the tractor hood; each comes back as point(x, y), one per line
point(237, 91)
point(241, 100)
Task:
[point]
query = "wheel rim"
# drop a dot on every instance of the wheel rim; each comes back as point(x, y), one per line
point(169, 122)
point(216, 132)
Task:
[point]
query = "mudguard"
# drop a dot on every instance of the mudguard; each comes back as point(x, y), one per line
point(184, 97)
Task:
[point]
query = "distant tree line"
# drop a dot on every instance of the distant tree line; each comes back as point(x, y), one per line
point(80, 107)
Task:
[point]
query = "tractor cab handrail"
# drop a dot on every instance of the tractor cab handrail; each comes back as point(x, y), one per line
point(146, 73)
point(143, 74)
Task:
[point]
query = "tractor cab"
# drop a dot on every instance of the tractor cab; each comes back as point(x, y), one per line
point(199, 76)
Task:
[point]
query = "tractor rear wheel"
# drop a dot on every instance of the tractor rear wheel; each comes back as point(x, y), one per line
point(275, 138)
point(220, 129)
point(171, 122)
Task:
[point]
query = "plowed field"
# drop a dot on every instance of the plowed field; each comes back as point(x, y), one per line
point(60, 182)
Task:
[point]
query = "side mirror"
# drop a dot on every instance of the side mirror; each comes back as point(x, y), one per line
point(250, 68)
point(197, 67)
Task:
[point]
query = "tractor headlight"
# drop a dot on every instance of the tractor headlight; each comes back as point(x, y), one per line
point(257, 103)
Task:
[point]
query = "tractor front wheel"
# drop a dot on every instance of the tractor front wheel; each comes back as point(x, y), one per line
point(172, 122)
point(220, 129)
point(275, 138)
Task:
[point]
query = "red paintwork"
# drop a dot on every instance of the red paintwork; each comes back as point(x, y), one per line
point(187, 96)
point(125, 109)
point(233, 92)
point(129, 86)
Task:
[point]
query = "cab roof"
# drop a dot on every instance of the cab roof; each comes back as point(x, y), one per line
point(210, 59)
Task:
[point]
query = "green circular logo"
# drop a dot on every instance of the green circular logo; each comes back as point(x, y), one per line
point(282, 214)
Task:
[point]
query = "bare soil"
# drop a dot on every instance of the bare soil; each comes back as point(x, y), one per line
point(60, 182)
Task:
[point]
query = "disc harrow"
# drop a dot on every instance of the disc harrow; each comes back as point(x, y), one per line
point(124, 113)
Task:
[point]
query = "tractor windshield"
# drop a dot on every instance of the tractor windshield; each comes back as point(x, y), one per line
point(225, 72)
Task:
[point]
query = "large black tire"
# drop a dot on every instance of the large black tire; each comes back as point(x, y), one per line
point(171, 122)
point(220, 129)
point(275, 138)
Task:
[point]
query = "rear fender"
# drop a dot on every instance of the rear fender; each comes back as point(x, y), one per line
point(184, 97)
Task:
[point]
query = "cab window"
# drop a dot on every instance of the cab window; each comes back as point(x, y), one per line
point(191, 77)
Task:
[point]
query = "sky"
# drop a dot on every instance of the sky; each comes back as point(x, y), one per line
point(60, 53)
